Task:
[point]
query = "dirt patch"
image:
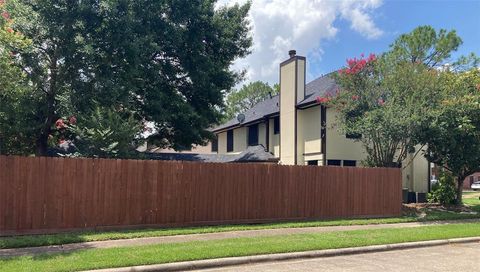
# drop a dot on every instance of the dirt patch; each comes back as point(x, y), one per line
point(421, 209)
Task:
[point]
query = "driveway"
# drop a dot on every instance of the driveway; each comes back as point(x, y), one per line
point(458, 257)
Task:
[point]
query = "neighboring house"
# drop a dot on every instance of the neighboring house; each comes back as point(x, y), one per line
point(297, 130)
point(255, 154)
point(200, 153)
point(467, 183)
point(196, 149)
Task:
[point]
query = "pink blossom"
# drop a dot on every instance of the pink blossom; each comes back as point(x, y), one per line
point(323, 100)
point(381, 102)
point(72, 120)
point(6, 15)
point(355, 65)
point(355, 97)
point(9, 30)
point(59, 124)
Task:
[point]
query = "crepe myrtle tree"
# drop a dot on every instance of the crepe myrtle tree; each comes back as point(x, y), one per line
point(380, 103)
point(387, 98)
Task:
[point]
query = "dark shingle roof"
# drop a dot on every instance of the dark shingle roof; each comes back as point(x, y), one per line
point(267, 107)
point(251, 154)
point(318, 87)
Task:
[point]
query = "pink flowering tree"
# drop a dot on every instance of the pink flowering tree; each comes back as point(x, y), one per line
point(380, 101)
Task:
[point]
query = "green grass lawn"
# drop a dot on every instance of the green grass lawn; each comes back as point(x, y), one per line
point(166, 253)
point(472, 199)
point(76, 237)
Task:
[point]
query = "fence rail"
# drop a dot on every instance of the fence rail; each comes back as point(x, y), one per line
point(42, 195)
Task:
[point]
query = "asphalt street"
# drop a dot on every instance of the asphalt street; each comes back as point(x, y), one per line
point(456, 257)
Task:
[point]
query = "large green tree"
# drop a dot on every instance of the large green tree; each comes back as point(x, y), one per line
point(16, 136)
point(452, 130)
point(382, 102)
point(165, 63)
point(246, 97)
point(385, 99)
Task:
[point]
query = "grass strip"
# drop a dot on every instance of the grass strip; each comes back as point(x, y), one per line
point(78, 237)
point(167, 253)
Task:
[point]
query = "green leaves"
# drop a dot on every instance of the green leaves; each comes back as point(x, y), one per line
point(425, 45)
point(106, 133)
point(248, 96)
point(400, 101)
point(453, 134)
point(165, 62)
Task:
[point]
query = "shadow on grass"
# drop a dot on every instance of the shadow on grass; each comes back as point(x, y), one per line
point(42, 246)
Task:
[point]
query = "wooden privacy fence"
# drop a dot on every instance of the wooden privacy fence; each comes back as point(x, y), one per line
point(41, 195)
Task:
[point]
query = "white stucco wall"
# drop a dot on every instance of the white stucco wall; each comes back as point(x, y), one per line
point(309, 139)
point(274, 140)
point(339, 147)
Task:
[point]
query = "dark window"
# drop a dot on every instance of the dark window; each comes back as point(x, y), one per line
point(215, 144)
point(354, 136)
point(276, 125)
point(312, 162)
point(350, 163)
point(253, 135)
point(230, 141)
point(334, 162)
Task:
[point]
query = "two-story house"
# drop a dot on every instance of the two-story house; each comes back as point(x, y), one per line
point(298, 130)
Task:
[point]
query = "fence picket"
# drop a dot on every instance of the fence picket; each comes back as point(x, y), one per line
point(42, 195)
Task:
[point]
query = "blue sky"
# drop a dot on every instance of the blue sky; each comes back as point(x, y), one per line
point(395, 18)
point(330, 31)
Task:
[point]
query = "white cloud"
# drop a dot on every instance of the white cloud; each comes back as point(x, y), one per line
point(281, 25)
point(361, 21)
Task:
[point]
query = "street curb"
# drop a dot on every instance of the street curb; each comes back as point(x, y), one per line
point(213, 263)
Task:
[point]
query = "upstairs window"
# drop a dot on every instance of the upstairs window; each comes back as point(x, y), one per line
point(253, 135)
point(230, 141)
point(276, 125)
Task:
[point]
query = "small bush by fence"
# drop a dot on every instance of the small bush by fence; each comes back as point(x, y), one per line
point(41, 195)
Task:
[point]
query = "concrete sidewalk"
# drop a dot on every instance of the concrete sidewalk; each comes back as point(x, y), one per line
point(210, 236)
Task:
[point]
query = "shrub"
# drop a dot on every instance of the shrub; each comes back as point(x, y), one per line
point(444, 191)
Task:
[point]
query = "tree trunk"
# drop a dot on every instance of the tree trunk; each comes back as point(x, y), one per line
point(42, 140)
point(459, 190)
point(41, 146)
